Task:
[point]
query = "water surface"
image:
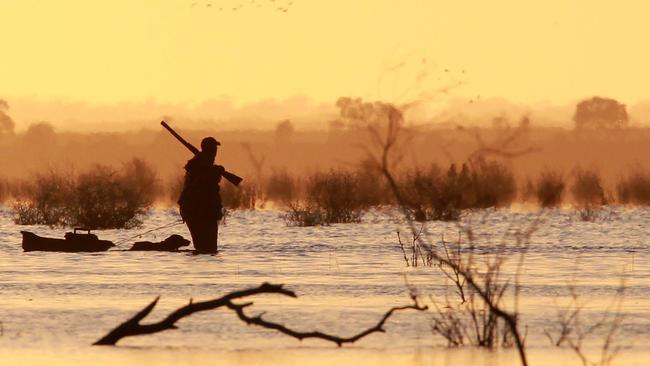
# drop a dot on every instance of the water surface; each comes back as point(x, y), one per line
point(54, 305)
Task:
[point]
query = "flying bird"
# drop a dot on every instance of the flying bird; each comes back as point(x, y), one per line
point(278, 5)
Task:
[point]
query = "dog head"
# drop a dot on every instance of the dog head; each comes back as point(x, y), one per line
point(176, 240)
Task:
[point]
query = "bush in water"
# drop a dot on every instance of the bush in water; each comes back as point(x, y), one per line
point(99, 198)
point(549, 189)
point(634, 188)
point(434, 195)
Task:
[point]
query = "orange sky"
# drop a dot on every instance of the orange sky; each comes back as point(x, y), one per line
point(186, 51)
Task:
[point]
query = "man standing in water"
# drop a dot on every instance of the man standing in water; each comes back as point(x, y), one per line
point(200, 202)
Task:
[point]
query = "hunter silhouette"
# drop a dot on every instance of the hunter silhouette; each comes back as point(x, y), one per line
point(200, 202)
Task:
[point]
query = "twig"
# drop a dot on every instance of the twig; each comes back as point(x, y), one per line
point(456, 278)
point(573, 334)
point(401, 245)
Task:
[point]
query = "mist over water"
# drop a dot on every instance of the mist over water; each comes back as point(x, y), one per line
point(42, 148)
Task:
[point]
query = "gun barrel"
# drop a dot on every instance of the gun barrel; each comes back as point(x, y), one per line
point(189, 146)
point(230, 177)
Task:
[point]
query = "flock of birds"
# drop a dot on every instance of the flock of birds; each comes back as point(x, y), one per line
point(278, 5)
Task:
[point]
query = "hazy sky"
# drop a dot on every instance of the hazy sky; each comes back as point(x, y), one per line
point(188, 51)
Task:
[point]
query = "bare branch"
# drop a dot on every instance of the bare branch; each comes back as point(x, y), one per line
point(132, 327)
point(257, 320)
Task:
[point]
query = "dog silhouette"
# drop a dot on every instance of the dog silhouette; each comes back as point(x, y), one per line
point(171, 244)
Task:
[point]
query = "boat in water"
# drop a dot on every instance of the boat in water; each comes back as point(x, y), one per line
point(73, 242)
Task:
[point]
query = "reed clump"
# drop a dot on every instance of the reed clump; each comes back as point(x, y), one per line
point(300, 214)
point(105, 197)
point(588, 195)
point(99, 198)
point(372, 187)
point(328, 198)
point(549, 188)
point(634, 188)
point(587, 189)
point(429, 196)
point(434, 195)
point(337, 195)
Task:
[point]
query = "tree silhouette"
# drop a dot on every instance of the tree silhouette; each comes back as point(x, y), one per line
point(356, 114)
point(283, 131)
point(6, 123)
point(600, 113)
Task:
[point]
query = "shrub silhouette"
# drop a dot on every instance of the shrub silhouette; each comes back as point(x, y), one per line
point(491, 184)
point(100, 198)
point(434, 195)
point(335, 195)
point(105, 198)
point(587, 189)
point(431, 195)
point(303, 215)
point(44, 199)
point(372, 187)
point(635, 188)
point(549, 189)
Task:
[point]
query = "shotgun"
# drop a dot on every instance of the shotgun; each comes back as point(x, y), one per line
point(230, 177)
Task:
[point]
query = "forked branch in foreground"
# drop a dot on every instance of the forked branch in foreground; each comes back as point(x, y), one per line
point(132, 327)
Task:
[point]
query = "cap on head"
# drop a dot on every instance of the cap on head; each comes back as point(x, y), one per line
point(209, 144)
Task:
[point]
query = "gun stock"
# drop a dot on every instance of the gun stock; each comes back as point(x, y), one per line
point(230, 177)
